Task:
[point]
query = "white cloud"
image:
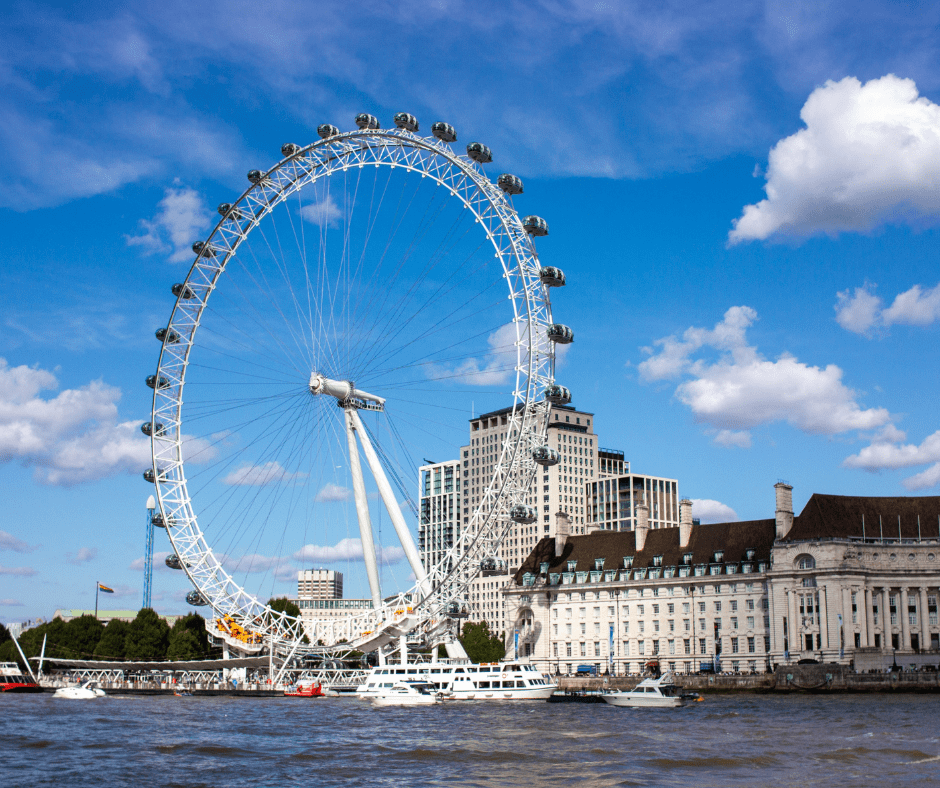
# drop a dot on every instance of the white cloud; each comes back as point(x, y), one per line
point(740, 390)
point(332, 493)
point(862, 310)
point(17, 571)
point(733, 439)
point(869, 154)
point(925, 479)
point(70, 438)
point(324, 213)
point(260, 475)
point(346, 550)
point(83, 555)
point(181, 220)
point(159, 563)
point(493, 369)
point(709, 511)
point(10, 603)
point(10, 542)
point(888, 452)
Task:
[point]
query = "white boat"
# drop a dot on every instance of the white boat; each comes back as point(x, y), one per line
point(408, 693)
point(88, 691)
point(654, 693)
point(464, 680)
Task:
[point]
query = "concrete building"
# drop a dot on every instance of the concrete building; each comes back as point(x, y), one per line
point(829, 584)
point(441, 510)
point(612, 502)
point(319, 584)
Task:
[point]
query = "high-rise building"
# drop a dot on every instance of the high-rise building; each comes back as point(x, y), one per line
point(441, 510)
point(612, 502)
point(319, 584)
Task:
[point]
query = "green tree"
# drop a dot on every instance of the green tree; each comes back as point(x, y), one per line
point(4, 635)
point(148, 637)
point(80, 637)
point(188, 638)
point(480, 644)
point(112, 639)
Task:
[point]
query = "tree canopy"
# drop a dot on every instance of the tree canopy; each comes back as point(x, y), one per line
point(148, 637)
point(480, 644)
point(283, 605)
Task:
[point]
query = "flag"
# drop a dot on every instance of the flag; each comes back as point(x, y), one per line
point(105, 589)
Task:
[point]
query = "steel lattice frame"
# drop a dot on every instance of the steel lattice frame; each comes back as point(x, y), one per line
point(465, 179)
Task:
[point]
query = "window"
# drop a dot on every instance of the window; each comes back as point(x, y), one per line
point(639, 610)
point(568, 629)
point(656, 626)
point(655, 610)
point(688, 646)
point(734, 645)
point(805, 562)
point(597, 628)
point(568, 648)
point(584, 649)
point(597, 648)
point(734, 605)
point(640, 647)
point(717, 606)
point(734, 622)
point(686, 624)
point(685, 608)
point(750, 622)
point(701, 624)
point(750, 604)
point(751, 648)
point(701, 646)
point(701, 607)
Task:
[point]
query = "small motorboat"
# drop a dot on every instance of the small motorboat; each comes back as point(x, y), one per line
point(408, 693)
point(87, 691)
point(182, 694)
point(310, 691)
point(662, 692)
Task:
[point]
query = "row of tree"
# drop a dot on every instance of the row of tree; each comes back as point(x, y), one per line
point(147, 638)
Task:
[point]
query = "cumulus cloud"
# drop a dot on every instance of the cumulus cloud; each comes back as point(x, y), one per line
point(83, 555)
point(10, 603)
point(70, 438)
point(159, 563)
point(10, 542)
point(740, 389)
point(17, 571)
point(709, 511)
point(862, 311)
point(888, 452)
point(324, 213)
point(260, 475)
point(181, 219)
point(346, 550)
point(492, 369)
point(870, 154)
point(332, 493)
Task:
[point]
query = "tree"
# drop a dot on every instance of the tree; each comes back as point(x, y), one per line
point(480, 644)
point(283, 605)
point(4, 635)
point(80, 638)
point(112, 639)
point(188, 638)
point(148, 637)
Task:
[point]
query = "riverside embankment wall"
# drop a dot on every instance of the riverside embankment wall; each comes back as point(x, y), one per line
point(787, 678)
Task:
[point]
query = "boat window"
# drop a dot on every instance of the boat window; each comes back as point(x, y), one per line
point(435, 670)
point(520, 683)
point(412, 671)
point(484, 685)
point(459, 670)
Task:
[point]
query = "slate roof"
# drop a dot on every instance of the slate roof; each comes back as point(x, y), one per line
point(613, 546)
point(834, 516)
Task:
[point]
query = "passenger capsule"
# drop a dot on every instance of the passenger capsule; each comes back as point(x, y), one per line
point(366, 121)
point(181, 290)
point(150, 477)
point(407, 122)
point(150, 429)
point(479, 153)
point(327, 130)
point(157, 520)
point(557, 395)
point(444, 132)
point(255, 176)
point(522, 514)
point(196, 599)
point(456, 610)
point(488, 564)
point(204, 249)
point(552, 277)
point(167, 335)
point(560, 333)
point(158, 383)
point(545, 456)
point(509, 183)
point(535, 225)
point(289, 149)
point(173, 561)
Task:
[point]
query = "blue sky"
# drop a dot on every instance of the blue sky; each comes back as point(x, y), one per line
point(744, 197)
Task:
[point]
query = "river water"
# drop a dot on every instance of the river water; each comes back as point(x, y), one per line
point(727, 740)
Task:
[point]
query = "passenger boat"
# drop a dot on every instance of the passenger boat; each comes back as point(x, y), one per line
point(311, 691)
point(662, 692)
point(408, 693)
point(88, 691)
point(13, 680)
point(464, 681)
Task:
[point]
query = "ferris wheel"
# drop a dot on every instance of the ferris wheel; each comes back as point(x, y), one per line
point(364, 293)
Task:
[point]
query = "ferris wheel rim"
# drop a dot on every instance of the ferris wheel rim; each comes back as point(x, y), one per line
point(212, 581)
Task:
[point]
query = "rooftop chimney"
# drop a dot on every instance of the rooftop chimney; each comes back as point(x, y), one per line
point(642, 524)
point(685, 522)
point(784, 512)
point(562, 529)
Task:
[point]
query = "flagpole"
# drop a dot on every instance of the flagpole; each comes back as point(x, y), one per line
point(96, 600)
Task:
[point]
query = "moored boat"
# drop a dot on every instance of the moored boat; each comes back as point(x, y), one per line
point(87, 691)
point(13, 680)
point(662, 692)
point(464, 680)
point(310, 691)
point(408, 693)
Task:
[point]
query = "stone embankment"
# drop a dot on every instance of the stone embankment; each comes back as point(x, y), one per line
point(787, 678)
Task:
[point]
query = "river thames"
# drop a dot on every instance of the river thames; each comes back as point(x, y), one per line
point(727, 740)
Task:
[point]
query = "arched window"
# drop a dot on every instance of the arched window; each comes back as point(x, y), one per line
point(805, 562)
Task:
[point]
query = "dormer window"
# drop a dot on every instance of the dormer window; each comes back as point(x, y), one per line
point(718, 556)
point(657, 560)
point(750, 553)
point(543, 568)
point(628, 562)
point(687, 559)
point(598, 564)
